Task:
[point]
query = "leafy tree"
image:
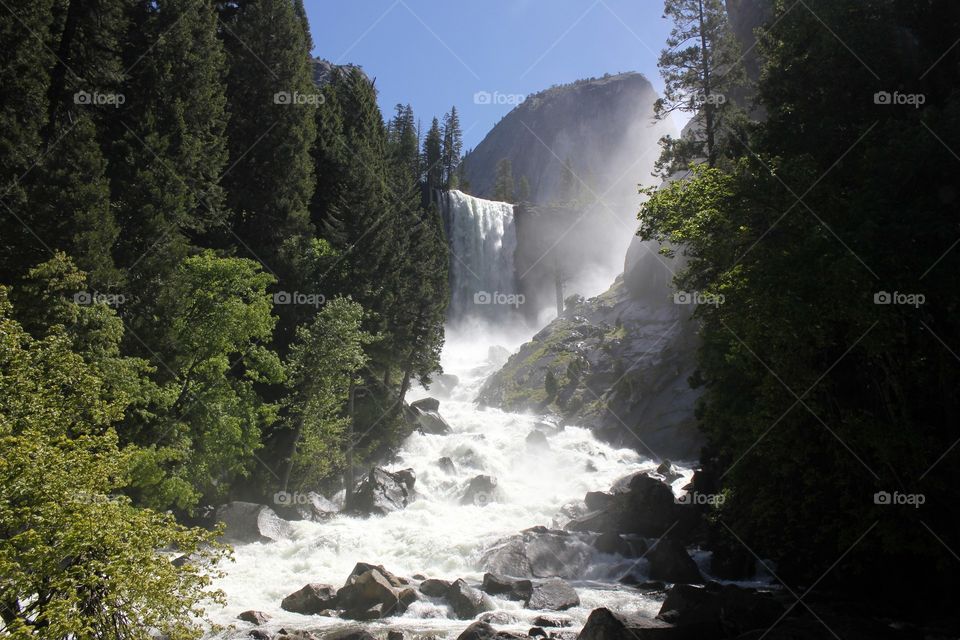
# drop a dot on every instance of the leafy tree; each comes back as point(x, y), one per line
point(701, 66)
point(322, 367)
point(77, 559)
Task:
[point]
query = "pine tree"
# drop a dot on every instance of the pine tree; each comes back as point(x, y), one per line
point(452, 145)
point(700, 67)
point(432, 157)
point(503, 189)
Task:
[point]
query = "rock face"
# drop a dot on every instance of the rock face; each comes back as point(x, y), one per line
point(311, 599)
point(553, 594)
point(250, 522)
point(622, 362)
point(538, 552)
point(381, 492)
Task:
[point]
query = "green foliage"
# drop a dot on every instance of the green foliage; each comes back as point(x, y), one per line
point(77, 559)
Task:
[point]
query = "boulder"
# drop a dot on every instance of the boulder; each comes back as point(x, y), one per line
point(667, 471)
point(553, 594)
point(614, 544)
point(369, 596)
point(425, 415)
point(434, 588)
point(381, 492)
point(311, 599)
point(480, 491)
point(552, 621)
point(510, 588)
point(604, 624)
point(638, 504)
point(306, 506)
point(394, 635)
point(466, 601)
point(539, 552)
point(537, 442)
point(446, 465)
point(478, 631)
point(720, 609)
point(250, 522)
point(670, 561)
point(254, 617)
point(362, 567)
point(259, 634)
point(350, 633)
point(497, 617)
point(596, 500)
point(537, 632)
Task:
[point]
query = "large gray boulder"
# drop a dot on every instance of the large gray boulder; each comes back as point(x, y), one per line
point(553, 594)
point(424, 415)
point(251, 522)
point(604, 624)
point(670, 561)
point(481, 491)
point(467, 602)
point(506, 587)
point(539, 552)
point(381, 492)
point(370, 595)
point(311, 599)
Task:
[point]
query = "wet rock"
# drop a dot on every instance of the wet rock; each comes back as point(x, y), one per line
point(552, 621)
point(350, 633)
point(603, 624)
point(380, 493)
point(425, 415)
point(613, 543)
point(670, 561)
point(510, 588)
point(538, 552)
point(259, 634)
point(250, 522)
point(563, 635)
point(434, 587)
point(394, 635)
point(478, 631)
point(254, 617)
point(311, 599)
point(638, 504)
point(720, 608)
point(596, 500)
point(553, 594)
point(369, 596)
point(446, 465)
point(667, 471)
point(466, 601)
point(305, 506)
point(537, 632)
point(295, 634)
point(480, 491)
point(362, 567)
point(537, 442)
point(497, 617)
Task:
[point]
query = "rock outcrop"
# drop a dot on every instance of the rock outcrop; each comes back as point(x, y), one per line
point(382, 492)
point(251, 522)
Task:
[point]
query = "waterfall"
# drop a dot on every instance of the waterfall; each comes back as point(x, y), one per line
point(482, 238)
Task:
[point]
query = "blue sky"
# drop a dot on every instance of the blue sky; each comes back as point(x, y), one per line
point(437, 53)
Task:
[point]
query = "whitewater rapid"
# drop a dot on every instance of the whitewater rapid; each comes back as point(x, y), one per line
point(438, 537)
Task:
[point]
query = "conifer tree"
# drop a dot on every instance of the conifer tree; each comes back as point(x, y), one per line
point(503, 188)
point(452, 145)
point(432, 157)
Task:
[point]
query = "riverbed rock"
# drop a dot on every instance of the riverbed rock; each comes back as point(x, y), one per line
point(539, 552)
point(497, 617)
point(254, 617)
point(478, 631)
point(362, 567)
point(667, 470)
point(381, 492)
point(596, 500)
point(310, 599)
point(310, 506)
point(537, 442)
point(466, 601)
point(537, 632)
point(481, 490)
point(720, 609)
point(446, 465)
point(510, 588)
point(639, 504)
point(614, 544)
point(604, 624)
point(551, 620)
point(553, 594)
point(425, 415)
point(251, 522)
point(434, 587)
point(258, 634)
point(369, 596)
point(670, 561)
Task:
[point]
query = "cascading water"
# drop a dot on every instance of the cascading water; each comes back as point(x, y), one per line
point(482, 238)
point(439, 537)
